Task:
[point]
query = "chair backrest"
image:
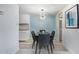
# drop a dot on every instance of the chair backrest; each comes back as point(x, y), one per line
point(33, 35)
point(52, 34)
point(44, 39)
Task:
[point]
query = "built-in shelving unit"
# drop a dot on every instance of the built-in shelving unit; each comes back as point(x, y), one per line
point(24, 27)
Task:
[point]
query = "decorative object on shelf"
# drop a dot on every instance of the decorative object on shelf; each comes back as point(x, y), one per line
point(60, 15)
point(42, 14)
point(72, 17)
point(23, 26)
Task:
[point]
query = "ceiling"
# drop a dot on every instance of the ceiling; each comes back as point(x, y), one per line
point(36, 8)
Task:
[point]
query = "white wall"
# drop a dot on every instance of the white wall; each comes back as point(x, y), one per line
point(70, 36)
point(9, 35)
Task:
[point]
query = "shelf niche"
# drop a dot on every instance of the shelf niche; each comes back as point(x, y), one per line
point(23, 26)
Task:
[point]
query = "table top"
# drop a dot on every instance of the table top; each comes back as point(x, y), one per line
point(41, 33)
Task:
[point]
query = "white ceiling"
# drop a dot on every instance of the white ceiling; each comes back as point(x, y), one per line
point(36, 8)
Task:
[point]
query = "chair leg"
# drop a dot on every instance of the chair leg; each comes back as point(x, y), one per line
point(40, 49)
point(48, 48)
point(36, 48)
point(51, 47)
point(33, 44)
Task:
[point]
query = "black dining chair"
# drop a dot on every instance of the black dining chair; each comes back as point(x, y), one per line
point(51, 40)
point(43, 41)
point(34, 38)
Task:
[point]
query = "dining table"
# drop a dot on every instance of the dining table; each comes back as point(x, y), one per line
point(37, 34)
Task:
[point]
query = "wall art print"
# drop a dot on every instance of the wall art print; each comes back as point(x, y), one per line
point(72, 17)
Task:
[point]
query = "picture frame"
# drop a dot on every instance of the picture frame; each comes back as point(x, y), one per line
point(72, 17)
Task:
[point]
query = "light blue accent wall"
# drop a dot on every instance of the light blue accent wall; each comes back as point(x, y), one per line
point(36, 24)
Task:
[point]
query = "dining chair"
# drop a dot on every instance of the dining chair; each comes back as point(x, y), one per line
point(43, 41)
point(34, 38)
point(51, 40)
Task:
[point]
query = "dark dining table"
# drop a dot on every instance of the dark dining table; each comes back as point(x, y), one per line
point(42, 33)
point(37, 34)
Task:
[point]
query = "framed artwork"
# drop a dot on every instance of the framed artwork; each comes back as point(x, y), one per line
point(72, 17)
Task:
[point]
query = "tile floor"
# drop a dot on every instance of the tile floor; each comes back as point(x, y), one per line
point(43, 51)
point(25, 48)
